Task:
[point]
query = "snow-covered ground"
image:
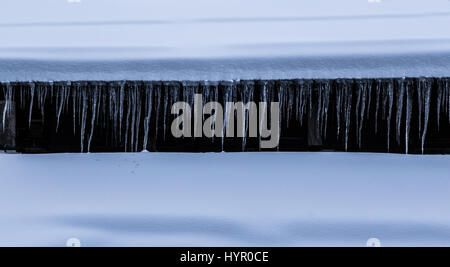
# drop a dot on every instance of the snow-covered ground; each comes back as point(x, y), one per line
point(224, 199)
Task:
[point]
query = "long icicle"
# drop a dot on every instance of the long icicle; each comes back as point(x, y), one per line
point(149, 98)
point(400, 97)
point(94, 111)
point(390, 92)
point(409, 106)
point(32, 87)
point(426, 100)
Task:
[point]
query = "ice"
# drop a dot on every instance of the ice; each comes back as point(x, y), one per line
point(121, 107)
point(439, 104)
point(158, 107)
point(409, 106)
point(144, 105)
point(420, 104)
point(400, 97)
point(8, 95)
point(127, 123)
point(447, 99)
point(94, 111)
point(134, 107)
point(302, 101)
point(339, 98)
point(378, 92)
point(263, 109)
point(84, 111)
point(360, 110)
point(390, 96)
point(166, 103)
point(426, 95)
point(61, 101)
point(348, 107)
point(74, 110)
point(32, 87)
point(148, 106)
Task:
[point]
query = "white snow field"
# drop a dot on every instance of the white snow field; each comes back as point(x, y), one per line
point(222, 39)
point(224, 199)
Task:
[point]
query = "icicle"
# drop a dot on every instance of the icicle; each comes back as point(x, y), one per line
point(282, 106)
point(338, 108)
point(59, 105)
point(133, 115)
point(301, 102)
point(51, 91)
point(420, 104)
point(439, 103)
point(32, 87)
point(290, 105)
point(74, 107)
point(400, 96)
point(319, 112)
point(326, 104)
point(121, 107)
point(103, 104)
point(94, 106)
point(8, 102)
point(409, 102)
point(391, 101)
point(149, 98)
point(369, 98)
point(348, 108)
point(216, 105)
point(426, 96)
point(158, 107)
point(22, 96)
point(5, 109)
point(61, 100)
point(362, 112)
point(83, 117)
point(128, 121)
point(447, 99)
point(80, 101)
point(262, 116)
point(102, 94)
point(444, 97)
point(99, 98)
point(166, 102)
point(310, 96)
point(378, 89)
point(197, 111)
point(358, 112)
point(112, 103)
point(138, 118)
point(43, 99)
point(298, 98)
point(249, 91)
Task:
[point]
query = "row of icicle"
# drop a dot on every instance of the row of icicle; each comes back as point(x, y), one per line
point(130, 106)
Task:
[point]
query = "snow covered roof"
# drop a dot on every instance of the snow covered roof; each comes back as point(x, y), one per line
point(200, 39)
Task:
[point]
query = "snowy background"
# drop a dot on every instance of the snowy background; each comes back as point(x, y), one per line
point(226, 199)
point(222, 39)
point(220, 28)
